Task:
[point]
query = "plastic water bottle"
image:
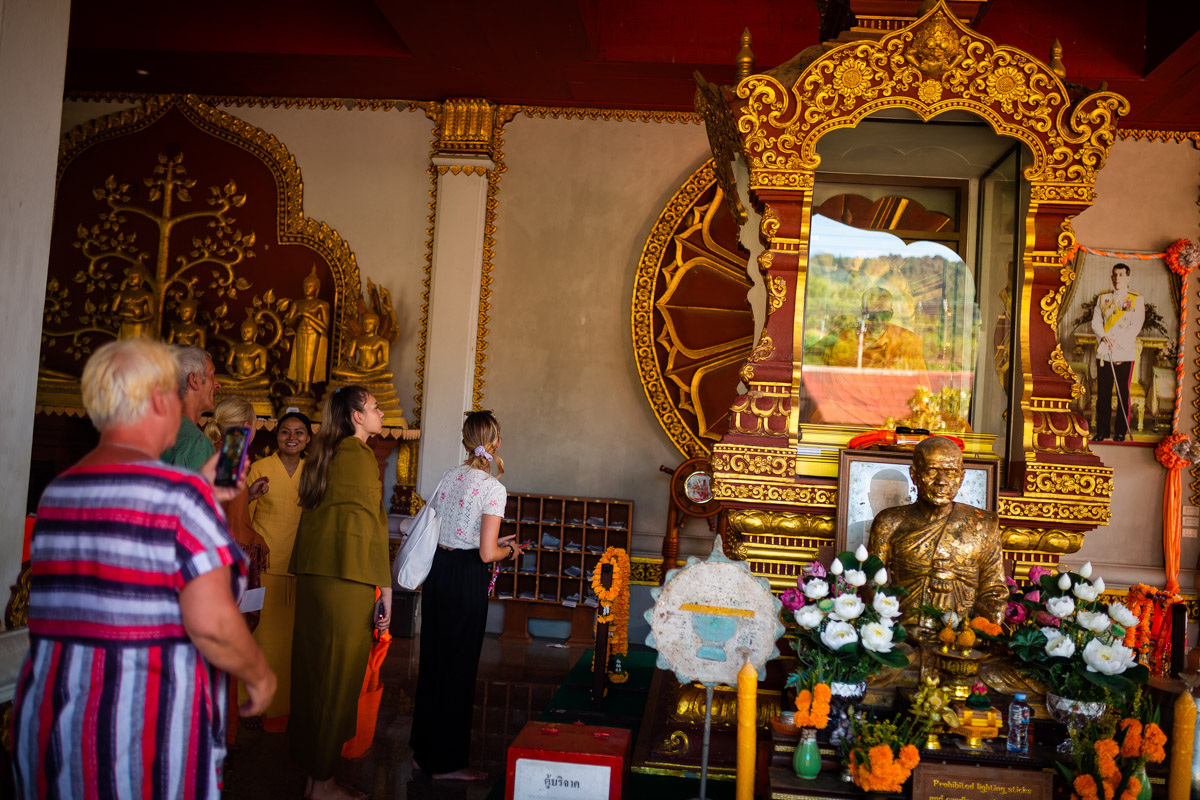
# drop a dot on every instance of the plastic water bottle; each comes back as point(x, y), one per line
point(1019, 714)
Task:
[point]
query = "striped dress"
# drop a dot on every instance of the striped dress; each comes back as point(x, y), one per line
point(113, 699)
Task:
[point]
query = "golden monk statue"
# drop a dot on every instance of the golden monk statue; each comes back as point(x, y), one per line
point(187, 331)
point(876, 343)
point(367, 359)
point(310, 348)
point(247, 361)
point(133, 306)
point(945, 553)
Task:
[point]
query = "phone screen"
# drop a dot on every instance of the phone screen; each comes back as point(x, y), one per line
point(232, 456)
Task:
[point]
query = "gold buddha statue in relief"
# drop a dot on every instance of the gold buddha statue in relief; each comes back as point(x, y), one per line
point(187, 331)
point(310, 347)
point(367, 358)
point(247, 361)
point(133, 306)
point(946, 554)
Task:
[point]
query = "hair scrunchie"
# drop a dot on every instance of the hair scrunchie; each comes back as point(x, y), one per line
point(482, 453)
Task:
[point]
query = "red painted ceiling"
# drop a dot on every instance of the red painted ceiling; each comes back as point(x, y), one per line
point(600, 53)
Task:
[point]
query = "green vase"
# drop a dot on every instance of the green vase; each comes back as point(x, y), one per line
point(1144, 779)
point(807, 760)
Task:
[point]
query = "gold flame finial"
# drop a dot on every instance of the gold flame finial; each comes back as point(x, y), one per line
point(744, 62)
point(1056, 64)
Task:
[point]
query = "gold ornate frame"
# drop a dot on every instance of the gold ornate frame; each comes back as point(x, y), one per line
point(1058, 489)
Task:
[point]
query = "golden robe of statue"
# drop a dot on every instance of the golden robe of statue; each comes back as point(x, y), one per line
point(947, 554)
point(247, 361)
point(133, 306)
point(311, 345)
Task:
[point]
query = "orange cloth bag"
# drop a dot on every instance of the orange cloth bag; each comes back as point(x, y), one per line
point(368, 699)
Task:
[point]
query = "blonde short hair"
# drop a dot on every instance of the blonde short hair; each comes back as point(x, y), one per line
point(120, 377)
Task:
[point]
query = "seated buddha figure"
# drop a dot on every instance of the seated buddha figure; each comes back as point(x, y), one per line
point(133, 306)
point(367, 358)
point(366, 364)
point(876, 343)
point(246, 362)
point(946, 554)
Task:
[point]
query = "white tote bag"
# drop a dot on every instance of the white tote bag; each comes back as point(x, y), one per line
point(415, 556)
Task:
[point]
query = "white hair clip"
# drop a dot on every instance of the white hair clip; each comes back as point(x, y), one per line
point(481, 452)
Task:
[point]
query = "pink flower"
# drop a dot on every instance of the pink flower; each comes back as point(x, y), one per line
point(1034, 596)
point(461, 501)
point(1014, 614)
point(791, 599)
point(475, 491)
point(1037, 571)
point(814, 569)
point(1047, 619)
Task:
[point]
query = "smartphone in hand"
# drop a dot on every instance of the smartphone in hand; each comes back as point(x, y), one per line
point(232, 458)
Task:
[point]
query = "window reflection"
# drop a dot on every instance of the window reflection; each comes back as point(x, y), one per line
point(887, 324)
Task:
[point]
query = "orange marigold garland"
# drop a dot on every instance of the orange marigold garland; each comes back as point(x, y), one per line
point(986, 625)
point(812, 707)
point(1110, 752)
point(884, 753)
point(614, 607)
point(1151, 637)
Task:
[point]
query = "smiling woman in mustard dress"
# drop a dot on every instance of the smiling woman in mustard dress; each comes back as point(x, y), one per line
point(275, 516)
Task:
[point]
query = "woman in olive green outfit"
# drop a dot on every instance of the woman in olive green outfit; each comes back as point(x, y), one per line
point(340, 557)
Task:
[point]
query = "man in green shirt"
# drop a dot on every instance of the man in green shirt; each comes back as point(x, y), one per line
point(197, 385)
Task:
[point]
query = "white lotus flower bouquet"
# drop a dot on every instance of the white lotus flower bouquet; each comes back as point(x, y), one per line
point(847, 619)
point(1070, 640)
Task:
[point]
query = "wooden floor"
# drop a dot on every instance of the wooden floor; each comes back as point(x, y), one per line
point(516, 681)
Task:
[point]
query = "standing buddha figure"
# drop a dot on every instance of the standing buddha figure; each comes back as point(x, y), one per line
point(133, 306)
point(310, 346)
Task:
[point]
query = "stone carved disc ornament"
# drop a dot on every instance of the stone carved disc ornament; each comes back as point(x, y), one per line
point(707, 614)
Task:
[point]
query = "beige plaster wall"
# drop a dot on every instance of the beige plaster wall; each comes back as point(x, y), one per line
point(1146, 199)
point(575, 207)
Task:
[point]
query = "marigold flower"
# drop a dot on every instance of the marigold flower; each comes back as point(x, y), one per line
point(1085, 786)
point(909, 757)
point(985, 625)
point(1153, 740)
point(1132, 746)
point(1131, 789)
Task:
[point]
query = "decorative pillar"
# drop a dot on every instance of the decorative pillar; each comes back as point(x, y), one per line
point(453, 344)
point(33, 57)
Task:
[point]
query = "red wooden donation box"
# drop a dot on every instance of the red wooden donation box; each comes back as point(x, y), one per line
point(552, 761)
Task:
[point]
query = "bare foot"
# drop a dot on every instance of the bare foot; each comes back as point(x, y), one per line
point(332, 790)
point(464, 774)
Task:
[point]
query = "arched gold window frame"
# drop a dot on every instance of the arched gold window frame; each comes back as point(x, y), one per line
point(937, 64)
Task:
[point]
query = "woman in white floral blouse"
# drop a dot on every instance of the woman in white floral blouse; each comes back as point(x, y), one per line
point(470, 505)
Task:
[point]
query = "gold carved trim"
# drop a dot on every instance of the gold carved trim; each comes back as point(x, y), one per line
point(732, 489)
point(292, 226)
point(458, 169)
point(741, 460)
point(468, 125)
point(611, 114)
point(1056, 480)
point(434, 112)
point(1041, 540)
point(1149, 135)
point(1058, 363)
point(776, 294)
point(642, 318)
point(503, 114)
point(784, 523)
point(1054, 511)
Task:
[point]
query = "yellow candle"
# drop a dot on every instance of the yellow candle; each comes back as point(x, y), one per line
point(1179, 784)
point(747, 737)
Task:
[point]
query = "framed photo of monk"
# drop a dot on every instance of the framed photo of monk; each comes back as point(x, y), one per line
point(1118, 327)
point(872, 480)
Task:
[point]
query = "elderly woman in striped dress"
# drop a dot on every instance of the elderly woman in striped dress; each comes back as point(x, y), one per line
point(133, 613)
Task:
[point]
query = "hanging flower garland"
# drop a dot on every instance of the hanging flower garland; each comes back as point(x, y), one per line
point(1151, 636)
point(614, 606)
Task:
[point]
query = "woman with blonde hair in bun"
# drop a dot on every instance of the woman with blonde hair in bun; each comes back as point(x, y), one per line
point(470, 505)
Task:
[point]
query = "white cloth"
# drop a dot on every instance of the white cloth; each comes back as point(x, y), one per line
point(467, 494)
point(1124, 331)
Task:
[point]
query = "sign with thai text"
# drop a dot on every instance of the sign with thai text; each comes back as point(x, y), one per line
point(560, 780)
